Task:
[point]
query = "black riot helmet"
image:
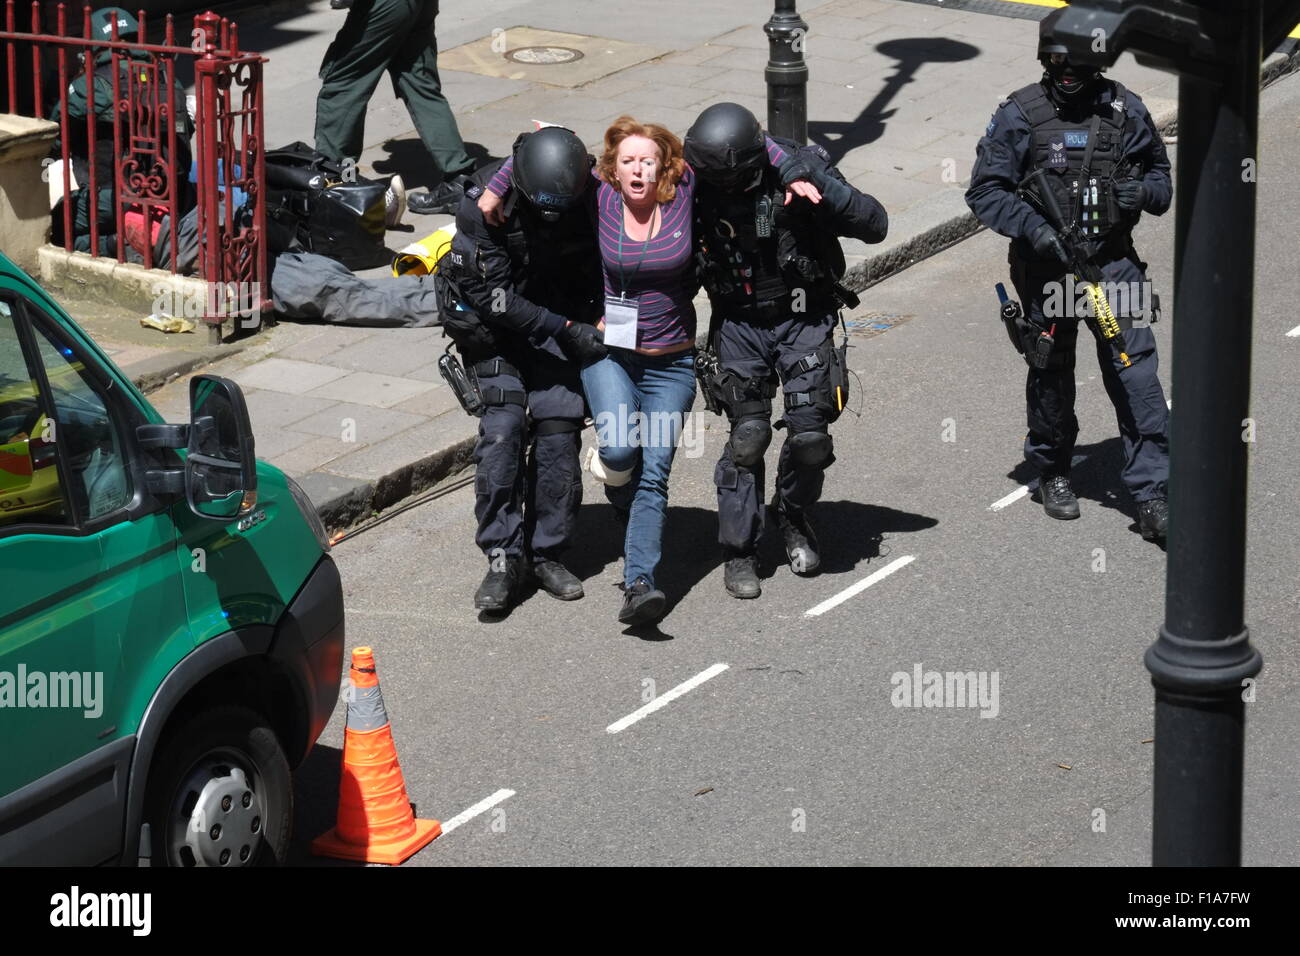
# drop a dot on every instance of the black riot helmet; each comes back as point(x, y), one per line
point(725, 146)
point(551, 170)
point(1072, 81)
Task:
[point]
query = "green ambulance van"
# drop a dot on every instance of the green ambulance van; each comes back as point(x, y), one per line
point(171, 621)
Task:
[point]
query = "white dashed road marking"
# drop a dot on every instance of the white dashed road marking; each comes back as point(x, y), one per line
point(666, 698)
point(481, 807)
point(1024, 489)
point(1008, 499)
point(862, 585)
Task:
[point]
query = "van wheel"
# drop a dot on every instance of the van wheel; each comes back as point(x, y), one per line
point(220, 792)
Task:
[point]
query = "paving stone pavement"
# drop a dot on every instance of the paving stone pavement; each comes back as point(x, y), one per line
point(899, 92)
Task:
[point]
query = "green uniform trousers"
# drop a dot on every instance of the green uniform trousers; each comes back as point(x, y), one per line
point(395, 36)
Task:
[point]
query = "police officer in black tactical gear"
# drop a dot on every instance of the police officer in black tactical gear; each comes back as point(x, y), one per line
point(770, 263)
point(1075, 127)
point(526, 297)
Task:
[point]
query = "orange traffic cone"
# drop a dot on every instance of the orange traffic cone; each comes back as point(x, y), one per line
point(375, 822)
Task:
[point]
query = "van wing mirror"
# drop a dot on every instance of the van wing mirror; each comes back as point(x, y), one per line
point(220, 464)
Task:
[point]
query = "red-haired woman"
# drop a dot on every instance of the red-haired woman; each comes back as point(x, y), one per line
point(642, 392)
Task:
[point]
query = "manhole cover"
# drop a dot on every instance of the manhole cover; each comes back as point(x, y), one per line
point(544, 55)
point(874, 323)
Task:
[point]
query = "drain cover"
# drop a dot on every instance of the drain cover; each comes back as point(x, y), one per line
point(543, 55)
point(874, 323)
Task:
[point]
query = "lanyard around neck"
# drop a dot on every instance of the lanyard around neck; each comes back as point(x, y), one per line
point(622, 228)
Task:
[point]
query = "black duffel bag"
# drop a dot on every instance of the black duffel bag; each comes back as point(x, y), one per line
point(312, 206)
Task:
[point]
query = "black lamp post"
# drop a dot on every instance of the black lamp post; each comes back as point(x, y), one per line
point(1203, 651)
point(787, 74)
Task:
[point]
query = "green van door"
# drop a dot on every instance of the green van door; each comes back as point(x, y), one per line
point(90, 585)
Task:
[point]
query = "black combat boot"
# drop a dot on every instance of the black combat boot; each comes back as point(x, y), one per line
point(800, 542)
point(1058, 498)
point(740, 575)
point(1153, 519)
point(444, 198)
point(499, 588)
point(558, 580)
point(642, 603)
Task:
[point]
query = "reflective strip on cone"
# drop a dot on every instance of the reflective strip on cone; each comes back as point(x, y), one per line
point(366, 709)
point(376, 822)
point(384, 813)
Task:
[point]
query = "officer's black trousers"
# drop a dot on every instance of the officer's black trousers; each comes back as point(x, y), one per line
point(758, 352)
point(527, 483)
point(1135, 391)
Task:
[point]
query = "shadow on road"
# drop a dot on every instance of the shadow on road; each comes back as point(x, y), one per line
point(850, 533)
point(315, 805)
point(1094, 478)
point(411, 160)
point(839, 137)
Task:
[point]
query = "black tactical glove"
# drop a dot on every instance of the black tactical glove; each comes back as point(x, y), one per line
point(797, 167)
point(1131, 195)
point(581, 343)
point(1047, 244)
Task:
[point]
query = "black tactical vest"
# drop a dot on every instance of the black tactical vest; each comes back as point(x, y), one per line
point(1059, 146)
point(556, 266)
point(753, 252)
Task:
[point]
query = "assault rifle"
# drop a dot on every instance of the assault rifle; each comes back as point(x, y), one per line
point(1100, 320)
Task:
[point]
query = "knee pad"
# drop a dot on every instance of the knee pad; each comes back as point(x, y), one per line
point(749, 439)
point(606, 476)
point(810, 448)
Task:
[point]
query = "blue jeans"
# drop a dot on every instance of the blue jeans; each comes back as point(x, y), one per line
point(639, 404)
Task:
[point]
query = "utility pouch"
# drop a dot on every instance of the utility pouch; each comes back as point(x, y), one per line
point(462, 385)
point(1041, 353)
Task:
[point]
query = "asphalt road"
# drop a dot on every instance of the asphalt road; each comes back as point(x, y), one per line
point(795, 753)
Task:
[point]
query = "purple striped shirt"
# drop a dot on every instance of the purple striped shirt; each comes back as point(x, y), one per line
point(663, 281)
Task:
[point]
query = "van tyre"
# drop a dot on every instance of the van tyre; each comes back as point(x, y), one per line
point(220, 792)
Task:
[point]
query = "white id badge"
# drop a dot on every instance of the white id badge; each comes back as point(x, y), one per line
point(620, 322)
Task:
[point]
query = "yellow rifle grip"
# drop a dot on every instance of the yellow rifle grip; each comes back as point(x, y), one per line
point(1106, 319)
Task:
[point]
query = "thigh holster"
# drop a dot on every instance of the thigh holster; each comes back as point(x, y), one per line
point(829, 388)
point(744, 398)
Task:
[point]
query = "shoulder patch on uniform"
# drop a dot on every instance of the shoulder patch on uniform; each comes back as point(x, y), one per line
point(988, 130)
point(1117, 105)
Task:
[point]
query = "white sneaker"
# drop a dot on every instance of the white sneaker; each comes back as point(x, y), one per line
point(606, 476)
point(395, 202)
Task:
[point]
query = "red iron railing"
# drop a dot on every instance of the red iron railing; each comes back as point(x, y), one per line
point(228, 145)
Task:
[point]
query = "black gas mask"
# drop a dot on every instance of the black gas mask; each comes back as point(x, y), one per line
point(1070, 80)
